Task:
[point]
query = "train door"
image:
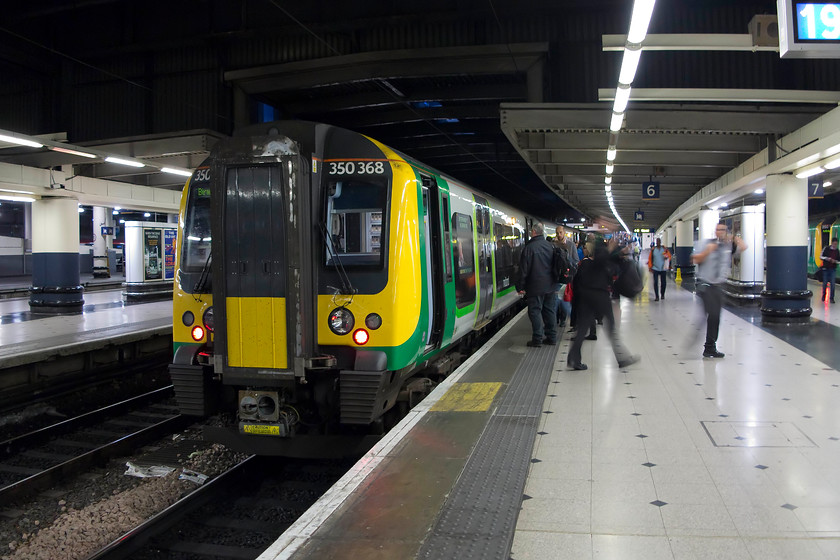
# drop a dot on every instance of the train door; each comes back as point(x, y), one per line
point(485, 260)
point(434, 261)
point(254, 247)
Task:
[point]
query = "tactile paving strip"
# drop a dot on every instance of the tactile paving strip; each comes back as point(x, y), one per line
point(479, 517)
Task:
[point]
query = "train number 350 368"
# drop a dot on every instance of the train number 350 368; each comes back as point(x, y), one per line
point(357, 167)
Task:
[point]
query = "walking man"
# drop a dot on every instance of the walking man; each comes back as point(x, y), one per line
point(537, 284)
point(657, 265)
point(830, 256)
point(714, 260)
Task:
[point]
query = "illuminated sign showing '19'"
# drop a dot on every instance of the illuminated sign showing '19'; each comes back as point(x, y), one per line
point(817, 22)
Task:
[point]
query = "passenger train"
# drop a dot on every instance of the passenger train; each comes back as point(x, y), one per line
point(321, 277)
point(820, 233)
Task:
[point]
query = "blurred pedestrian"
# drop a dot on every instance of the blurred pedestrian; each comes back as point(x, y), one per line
point(830, 256)
point(591, 285)
point(714, 260)
point(537, 284)
point(659, 262)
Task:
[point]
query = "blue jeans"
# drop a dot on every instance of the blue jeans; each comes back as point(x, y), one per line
point(828, 277)
point(542, 311)
point(659, 282)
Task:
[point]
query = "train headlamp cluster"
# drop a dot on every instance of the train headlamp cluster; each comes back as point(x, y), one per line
point(197, 333)
point(341, 321)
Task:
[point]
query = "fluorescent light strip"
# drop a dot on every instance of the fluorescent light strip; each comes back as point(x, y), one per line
point(124, 162)
point(622, 97)
point(20, 141)
point(611, 154)
point(640, 20)
point(809, 172)
point(833, 164)
point(72, 152)
point(608, 180)
point(616, 122)
point(629, 64)
point(610, 167)
point(176, 171)
point(17, 198)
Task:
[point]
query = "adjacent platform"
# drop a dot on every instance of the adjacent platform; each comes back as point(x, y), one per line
point(676, 457)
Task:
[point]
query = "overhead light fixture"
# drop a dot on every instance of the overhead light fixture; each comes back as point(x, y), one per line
point(608, 180)
point(147, 215)
point(182, 172)
point(14, 191)
point(827, 183)
point(809, 172)
point(124, 162)
point(759, 191)
point(616, 121)
point(115, 212)
point(607, 188)
point(640, 20)
point(611, 151)
point(629, 64)
point(20, 141)
point(72, 152)
point(833, 164)
point(12, 198)
point(724, 204)
point(622, 97)
point(610, 167)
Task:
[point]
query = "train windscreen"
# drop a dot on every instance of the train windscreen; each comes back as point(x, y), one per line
point(196, 242)
point(356, 224)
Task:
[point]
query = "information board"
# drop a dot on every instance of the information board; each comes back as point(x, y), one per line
point(809, 29)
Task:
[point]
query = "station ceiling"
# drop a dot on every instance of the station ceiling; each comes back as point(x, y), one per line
point(511, 97)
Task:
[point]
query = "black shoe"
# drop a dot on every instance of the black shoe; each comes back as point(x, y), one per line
point(663, 296)
point(591, 337)
point(832, 301)
point(600, 321)
point(550, 342)
point(629, 361)
point(713, 353)
point(657, 299)
point(533, 343)
point(578, 366)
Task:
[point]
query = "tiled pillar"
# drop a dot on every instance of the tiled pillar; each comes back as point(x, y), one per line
point(685, 244)
point(55, 257)
point(100, 243)
point(787, 297)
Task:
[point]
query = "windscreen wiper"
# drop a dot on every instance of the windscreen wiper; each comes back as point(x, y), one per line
point(205, 276)
point(346, 285)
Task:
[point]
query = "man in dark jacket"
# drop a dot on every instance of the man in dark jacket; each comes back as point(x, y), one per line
point(830, 257)
point(537, 284)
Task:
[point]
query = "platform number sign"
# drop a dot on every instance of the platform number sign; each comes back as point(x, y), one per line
point(809, 29)
point(639, 216)
point(815, 188)
point(650, 190)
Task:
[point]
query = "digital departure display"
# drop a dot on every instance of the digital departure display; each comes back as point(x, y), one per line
point(819, 22)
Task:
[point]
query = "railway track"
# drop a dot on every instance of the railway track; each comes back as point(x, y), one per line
point(32, 462)
point(236, 515)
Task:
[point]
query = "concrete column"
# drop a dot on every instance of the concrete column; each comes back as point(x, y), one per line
point(100, 243)
point(708, 220)
point(55, 255)
point(787, 297)
point(682, 255)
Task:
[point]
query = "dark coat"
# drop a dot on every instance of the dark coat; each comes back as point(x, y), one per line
point(536, 276)
point(596, 273)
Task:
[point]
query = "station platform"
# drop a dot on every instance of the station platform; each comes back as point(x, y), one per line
point(39, 352)
point(676, 457)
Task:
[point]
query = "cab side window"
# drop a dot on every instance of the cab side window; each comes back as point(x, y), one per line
point(464, 257)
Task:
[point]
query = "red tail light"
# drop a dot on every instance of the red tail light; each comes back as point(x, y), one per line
point(361, 337)
point(197, 333)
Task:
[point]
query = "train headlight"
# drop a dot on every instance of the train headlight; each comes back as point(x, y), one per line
point(373, 321)
point(188, 318)
point(207, 318)
point(197, 333)
point(341, 321)
point(361, 337)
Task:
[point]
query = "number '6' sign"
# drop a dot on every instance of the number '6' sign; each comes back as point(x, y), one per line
point(650, 190)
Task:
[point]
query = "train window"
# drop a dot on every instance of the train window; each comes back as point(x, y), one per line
point(447, 243)
point(355, 211)
point(504, 244)
point(464, 257)
point(196, 240)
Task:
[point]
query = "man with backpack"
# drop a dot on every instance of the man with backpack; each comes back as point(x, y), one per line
point(566, 259)
point(537, 283)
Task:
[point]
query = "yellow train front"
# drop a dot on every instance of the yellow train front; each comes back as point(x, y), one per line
point(318, 272)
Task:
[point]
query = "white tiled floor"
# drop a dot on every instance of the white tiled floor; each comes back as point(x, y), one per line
point(591, 493)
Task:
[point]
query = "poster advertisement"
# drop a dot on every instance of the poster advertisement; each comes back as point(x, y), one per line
point(152, 257)
point(169, 236)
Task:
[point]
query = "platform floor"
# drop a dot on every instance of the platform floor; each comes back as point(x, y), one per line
point(27, 336)
point(677, 457)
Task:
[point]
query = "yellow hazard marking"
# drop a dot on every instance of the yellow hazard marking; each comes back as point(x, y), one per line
point(261, 429)
point(468, 397)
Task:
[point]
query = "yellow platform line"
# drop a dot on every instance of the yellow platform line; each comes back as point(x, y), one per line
point(467, 397)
